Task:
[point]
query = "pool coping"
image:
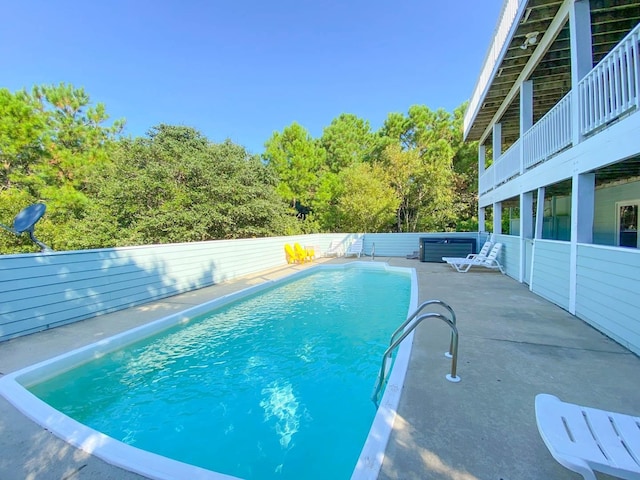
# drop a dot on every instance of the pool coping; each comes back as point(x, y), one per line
point(156, 466)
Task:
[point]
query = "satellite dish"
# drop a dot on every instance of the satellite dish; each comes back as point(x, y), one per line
point(28, 217)
point(26, 220)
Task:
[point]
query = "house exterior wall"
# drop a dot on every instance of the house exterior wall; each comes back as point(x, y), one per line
point(550, 271)
point(593, 129)
point(605, 215)
point(608, 287)
point(509, 254)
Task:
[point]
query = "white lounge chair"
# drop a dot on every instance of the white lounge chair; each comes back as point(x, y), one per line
point(335, 249)
point(489, 261)
point(462, 264)
point(586, 439)
point(355, 248)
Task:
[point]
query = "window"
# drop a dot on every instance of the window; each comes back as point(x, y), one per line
point(627, 219)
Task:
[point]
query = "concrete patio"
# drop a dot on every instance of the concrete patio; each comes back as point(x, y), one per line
point(513, 345)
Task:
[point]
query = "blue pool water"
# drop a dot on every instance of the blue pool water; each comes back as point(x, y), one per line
point(274, 386)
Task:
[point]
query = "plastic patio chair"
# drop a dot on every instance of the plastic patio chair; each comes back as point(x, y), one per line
point(356, 248)
point(482, 259)
point(586, 439)
point(335, 249)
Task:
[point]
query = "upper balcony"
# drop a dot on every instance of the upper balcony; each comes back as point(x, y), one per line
point(609, 92)
point(538, 49)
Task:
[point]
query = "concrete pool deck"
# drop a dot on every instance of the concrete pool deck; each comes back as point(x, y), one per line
point(513, 345)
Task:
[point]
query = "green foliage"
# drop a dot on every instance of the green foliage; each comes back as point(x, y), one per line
point(347, 140)
point(174, 186)
point(414, 174)
point(296, 158)
point(418, 158)
point(432, 172)
point(367, 203)
point(465, 166)
point(52, 143)
point(22, 129)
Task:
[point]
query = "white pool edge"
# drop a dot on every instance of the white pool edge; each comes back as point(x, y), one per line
point(155, 466)
point(372, 454)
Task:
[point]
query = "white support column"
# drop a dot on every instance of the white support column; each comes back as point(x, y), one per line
point(497, 141)
point(526, 116)
point(582, 207)
point(497, 149)
point(497, 218)
point(482, 159)
point(481, 220)
point(537, 232)
point(581, 56)
point(526, 230)
point(539, 213)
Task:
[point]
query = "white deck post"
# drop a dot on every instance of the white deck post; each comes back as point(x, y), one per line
point(497, 141)
point(497, 218)
point(582, 208)
point(539, 213)
point(482, 154)
point(526, 230)
point(497, 149)
point(537, 233)
point(482, 158)
point(526, 116)
point(581, 58)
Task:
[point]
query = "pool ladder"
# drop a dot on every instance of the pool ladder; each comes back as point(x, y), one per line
point(406, 328)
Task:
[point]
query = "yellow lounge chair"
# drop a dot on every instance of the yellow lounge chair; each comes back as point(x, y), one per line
point(301, 253)
point(292, 256)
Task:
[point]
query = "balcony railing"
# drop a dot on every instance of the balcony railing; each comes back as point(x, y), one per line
point(486, 181)
point(550, 135)
point(608, 92)
point(508, 165)
point(611, 88)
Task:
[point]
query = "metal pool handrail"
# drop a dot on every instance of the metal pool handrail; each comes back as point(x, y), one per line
point(415, 314)
point(453, 351)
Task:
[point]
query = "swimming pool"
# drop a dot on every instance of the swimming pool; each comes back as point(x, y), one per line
point(279, 405)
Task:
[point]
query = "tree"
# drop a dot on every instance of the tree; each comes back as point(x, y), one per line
point(404, 171)
point(56, 141)
point(22, 128)
point(367, 203)
point(175, 186)
point(465, 166)
point(297, 159)
point(418, 156)
point(347, 140)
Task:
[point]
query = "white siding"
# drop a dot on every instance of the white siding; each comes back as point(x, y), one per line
point(39, 291)
point(608, 292)
point(510, 254)
point(551, 275)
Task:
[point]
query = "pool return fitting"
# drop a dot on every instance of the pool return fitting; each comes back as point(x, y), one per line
point(406, 328)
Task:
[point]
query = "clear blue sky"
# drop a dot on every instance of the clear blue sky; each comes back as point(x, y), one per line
point(242, 69)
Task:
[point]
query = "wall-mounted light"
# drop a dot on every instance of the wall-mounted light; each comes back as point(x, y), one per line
point(530, 38)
